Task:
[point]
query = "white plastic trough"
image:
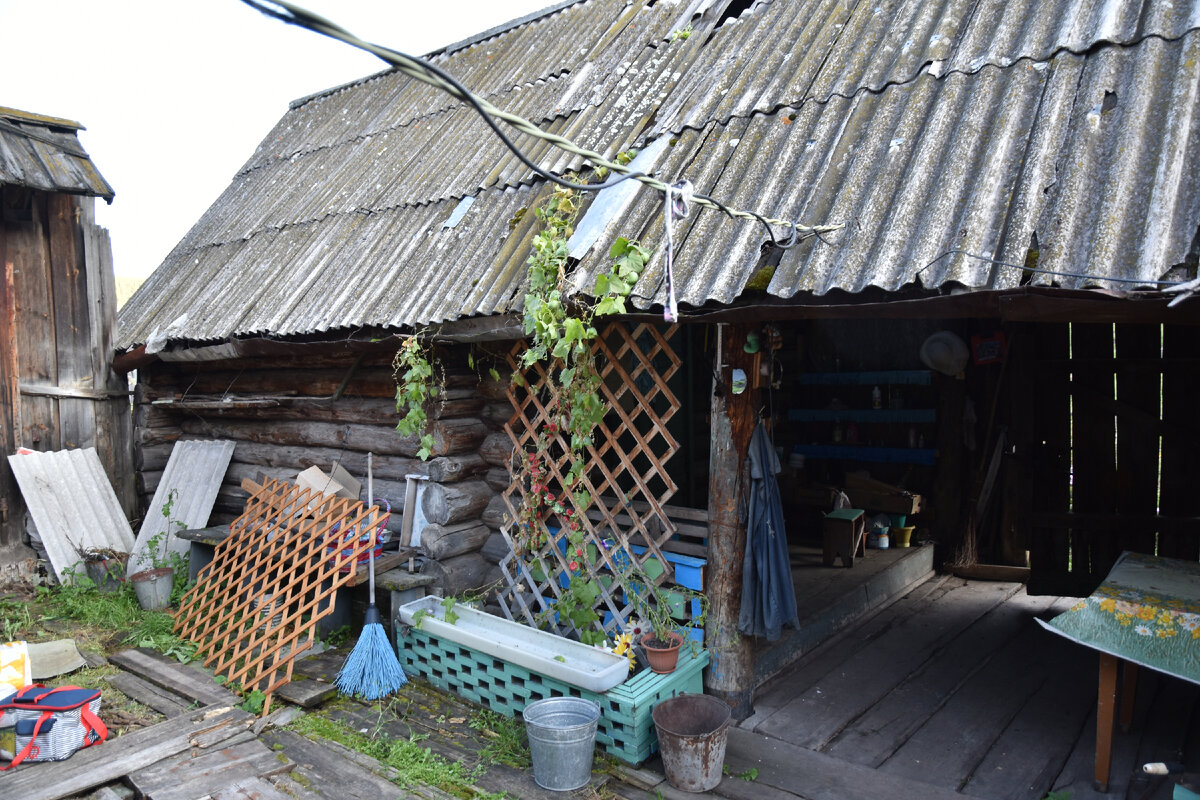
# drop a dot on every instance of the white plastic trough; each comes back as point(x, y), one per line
point(586, 667)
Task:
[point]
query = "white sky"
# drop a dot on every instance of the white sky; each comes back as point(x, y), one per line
point(175, 96)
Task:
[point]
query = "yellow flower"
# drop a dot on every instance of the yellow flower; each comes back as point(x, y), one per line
point(1165, 633)
point(1108, 604)
point(624, 646)
point(1147, 613)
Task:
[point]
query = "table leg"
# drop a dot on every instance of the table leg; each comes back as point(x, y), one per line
point(1129, 676)
point(1106, 706)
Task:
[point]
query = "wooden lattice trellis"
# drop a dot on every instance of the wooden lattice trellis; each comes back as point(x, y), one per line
point(256, 606)
point(625, 474)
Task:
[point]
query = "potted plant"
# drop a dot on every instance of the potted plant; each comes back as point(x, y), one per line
point(664, 616)
point(154, 585)
point(105, 567)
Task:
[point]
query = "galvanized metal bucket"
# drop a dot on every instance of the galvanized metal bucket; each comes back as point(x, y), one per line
point(562, 737)
point(691, 737)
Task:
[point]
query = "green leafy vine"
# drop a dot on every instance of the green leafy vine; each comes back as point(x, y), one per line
point(415, 387)
point(561, 333)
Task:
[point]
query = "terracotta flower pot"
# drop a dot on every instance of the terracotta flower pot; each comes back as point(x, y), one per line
point(662, 659)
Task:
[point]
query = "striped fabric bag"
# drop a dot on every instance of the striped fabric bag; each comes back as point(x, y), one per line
point(51, 724)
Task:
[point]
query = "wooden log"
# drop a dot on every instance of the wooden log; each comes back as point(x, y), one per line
point(232, 497)
point(495, 548)
point(147, 437)
point(455, 502)
point(492, 389)
point(493, 582)
point(364, 382)
point(497, 478)
point(154, 457)
point(366, 410)
point(457, 575)
point(450, 436)
point(497, 413)
point(732, 423)
point(273, 356)
point(496, 449)
point(497, 515)
point(444, 469)
point(444, 541)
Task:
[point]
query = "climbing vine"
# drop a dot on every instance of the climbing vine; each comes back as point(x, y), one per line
point(415, 387)
point(561, 333)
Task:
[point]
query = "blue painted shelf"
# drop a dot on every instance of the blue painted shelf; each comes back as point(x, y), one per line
point(862, 415)
point(910, 377)
point(886, 455)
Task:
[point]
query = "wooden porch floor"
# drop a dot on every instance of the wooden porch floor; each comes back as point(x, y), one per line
point(955, 687)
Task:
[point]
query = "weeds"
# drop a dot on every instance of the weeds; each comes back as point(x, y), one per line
point(506, 739)
point(14, 618)
point(412, 763)
point(155, 630)
point(80, 601)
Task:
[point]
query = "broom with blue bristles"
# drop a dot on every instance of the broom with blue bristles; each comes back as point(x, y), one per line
point(371, 670)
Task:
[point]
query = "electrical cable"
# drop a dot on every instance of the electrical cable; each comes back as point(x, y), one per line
point(434, 76)
point(956, 251)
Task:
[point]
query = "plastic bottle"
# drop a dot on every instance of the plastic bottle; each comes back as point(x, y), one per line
point(876, 398)
point(837, 432)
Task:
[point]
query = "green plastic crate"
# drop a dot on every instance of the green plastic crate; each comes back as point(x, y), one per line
point(625, 729)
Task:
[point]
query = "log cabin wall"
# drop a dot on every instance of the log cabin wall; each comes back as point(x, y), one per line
point(58, 313)
point(314, 407)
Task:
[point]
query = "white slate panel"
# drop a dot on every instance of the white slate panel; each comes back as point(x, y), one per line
point(73, 506)
point(194, 473)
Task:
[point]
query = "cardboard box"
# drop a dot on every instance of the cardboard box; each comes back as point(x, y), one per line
point(336, 482)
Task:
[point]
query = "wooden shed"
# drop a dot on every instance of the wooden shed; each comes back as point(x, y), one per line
point(1045, 238)
point(58, 311)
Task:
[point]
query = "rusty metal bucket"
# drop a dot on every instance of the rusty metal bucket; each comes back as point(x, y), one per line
point(691, 736)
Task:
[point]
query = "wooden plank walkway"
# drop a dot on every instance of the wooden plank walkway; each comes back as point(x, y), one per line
point(950, 690)
point(955, 687)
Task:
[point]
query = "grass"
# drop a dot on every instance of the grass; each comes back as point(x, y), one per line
point(507, 743)
point(100, 623)
point(413, 764)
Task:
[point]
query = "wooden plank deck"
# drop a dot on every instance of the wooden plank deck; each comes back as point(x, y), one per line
point(955, 687)
point(948, 690)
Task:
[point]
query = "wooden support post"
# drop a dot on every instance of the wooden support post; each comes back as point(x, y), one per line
point(1106, 717)
point(1129, 676)
point(731, 674)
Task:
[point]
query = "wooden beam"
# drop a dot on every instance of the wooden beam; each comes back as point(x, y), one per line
point(732, 415)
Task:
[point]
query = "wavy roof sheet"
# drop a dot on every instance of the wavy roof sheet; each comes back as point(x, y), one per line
point(785, 53)
point(928, 127)
point(40, 152)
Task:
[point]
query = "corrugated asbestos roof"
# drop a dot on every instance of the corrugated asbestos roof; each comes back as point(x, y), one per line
point(40, 152)
point(926, 126)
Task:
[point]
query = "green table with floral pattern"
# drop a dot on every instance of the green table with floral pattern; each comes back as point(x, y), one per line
point(1146, 613)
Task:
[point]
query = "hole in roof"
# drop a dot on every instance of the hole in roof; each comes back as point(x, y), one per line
point(1032, 255)
point(733, 11)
